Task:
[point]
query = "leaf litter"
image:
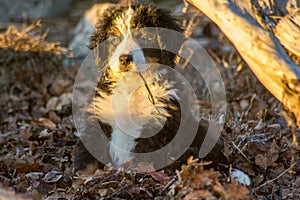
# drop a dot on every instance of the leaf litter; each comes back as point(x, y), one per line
point(37, 133)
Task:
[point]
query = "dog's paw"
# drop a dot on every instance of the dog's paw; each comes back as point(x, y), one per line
point(84, 162)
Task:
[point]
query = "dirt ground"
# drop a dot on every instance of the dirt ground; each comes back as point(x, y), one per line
point(37, 133)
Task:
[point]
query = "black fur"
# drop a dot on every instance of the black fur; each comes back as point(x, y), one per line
point(144, 17)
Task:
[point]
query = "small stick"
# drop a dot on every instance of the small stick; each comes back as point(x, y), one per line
point(150, 93)
point(274, 179)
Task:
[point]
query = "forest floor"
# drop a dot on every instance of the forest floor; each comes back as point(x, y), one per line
point(37, 132)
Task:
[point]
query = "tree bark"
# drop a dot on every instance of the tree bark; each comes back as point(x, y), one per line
point(259, 48)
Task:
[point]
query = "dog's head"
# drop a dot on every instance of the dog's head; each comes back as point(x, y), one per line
point(123, 29)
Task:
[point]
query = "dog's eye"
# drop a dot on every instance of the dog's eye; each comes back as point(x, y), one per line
point(116, 40)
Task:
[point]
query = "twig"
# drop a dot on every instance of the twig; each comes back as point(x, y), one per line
point(274, 179)
point(151, 99)
point(251, 104)
point(238, 149)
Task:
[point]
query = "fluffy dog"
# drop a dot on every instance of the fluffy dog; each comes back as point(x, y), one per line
point(134, 96)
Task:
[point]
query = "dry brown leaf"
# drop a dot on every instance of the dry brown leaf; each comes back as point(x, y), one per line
point(160, 176)
point(237, 192)
point(54, 117)
point(261, 160)
point(199, 194)
point(48, 123)
point(144, 167)
point(28, 167)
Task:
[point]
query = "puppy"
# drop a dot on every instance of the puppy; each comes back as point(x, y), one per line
point(137, 102)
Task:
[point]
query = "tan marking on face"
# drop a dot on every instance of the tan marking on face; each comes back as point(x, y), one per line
point(116, 31)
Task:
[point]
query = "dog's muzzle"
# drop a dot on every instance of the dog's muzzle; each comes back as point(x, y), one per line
point(128, 56)
point(125, 59)
point(125, 62)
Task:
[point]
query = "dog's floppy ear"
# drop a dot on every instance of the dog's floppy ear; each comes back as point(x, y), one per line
point(166, 20)
point(104, 25)
point(168, 40)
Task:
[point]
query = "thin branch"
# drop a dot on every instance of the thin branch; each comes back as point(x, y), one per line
point(274, 179)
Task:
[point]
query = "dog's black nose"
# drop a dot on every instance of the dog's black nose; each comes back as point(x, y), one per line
point(125, 59)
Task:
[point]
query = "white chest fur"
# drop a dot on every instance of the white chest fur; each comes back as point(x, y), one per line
point(128, 110)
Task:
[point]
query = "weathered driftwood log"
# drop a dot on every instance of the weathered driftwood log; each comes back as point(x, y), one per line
point(259, 47)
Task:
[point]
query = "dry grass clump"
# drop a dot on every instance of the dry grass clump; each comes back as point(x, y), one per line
point(26, 55)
